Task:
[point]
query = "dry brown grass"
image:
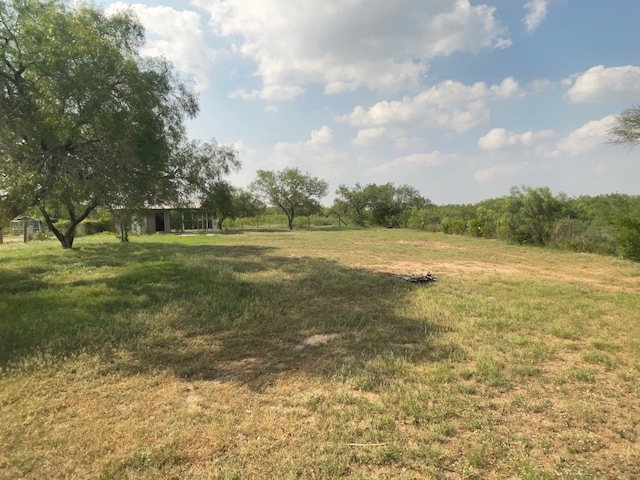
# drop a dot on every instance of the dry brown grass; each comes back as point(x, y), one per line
point(11, 239)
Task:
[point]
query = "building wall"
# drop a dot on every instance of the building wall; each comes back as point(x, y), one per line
point(146, 223)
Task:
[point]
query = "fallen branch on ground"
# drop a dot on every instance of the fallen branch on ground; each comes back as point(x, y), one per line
point(367, 444)
point(426, 278)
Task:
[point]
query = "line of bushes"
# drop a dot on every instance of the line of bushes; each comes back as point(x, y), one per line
point(606, 224)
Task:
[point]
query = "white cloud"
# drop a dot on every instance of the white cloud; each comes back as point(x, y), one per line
point(504, 172)
point(448, 105)
point(251, 162)
point(316, 148)
point(369, 136)
point(176, 35)
point(508, 88)
point(600, 83)
point(541, 84)
point(416, 161)
point(316, 155)
point(405, 142)
point(272, 92)
point(344, 45)
point(584, 139)
point(243, 149)
point(536, 13)
point(500, 139)
point(321, 136)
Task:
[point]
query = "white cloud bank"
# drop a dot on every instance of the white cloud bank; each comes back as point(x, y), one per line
point(317, 155)
point(600, 83)
point(176, 35)
point(415, 161)
point(345, 45)
point(538, 148)
point(448, 105)
point(318, 150)
point(500, 139)
point(536, 13)
point(585, 139)
point(504, 172)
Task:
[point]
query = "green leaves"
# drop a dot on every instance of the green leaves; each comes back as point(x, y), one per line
point(385, 205)
point(530, 214)
point(291, 191)
point(626, 227)
point(86, 120)
point(626, 129)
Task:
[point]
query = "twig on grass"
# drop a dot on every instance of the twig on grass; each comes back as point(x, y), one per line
point(367, 444)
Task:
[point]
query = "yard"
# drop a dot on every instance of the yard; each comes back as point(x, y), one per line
point(300, 355)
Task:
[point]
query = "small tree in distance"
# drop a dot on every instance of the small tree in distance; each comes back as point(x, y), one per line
point(290, 190)
point(385, 205)
point(227, 201)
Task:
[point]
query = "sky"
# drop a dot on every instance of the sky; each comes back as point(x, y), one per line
point(460, 99)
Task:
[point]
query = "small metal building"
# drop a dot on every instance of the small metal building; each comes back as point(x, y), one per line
point(158, 218)
point(33, 225)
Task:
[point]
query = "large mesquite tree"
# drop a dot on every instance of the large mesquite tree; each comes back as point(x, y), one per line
point(290, 190)
point(385, 205)
point(85, 120)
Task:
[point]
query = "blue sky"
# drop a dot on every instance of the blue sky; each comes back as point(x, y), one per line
point(460, 99)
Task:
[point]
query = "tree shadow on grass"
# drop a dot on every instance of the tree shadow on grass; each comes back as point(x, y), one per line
point(218, 312)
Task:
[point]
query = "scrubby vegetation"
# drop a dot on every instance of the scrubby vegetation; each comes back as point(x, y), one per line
point(607, 224)
point(604, 224)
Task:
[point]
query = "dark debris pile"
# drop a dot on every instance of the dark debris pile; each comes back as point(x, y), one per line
point(426, 278)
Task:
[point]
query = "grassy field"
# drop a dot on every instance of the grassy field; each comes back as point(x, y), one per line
point(285, 355)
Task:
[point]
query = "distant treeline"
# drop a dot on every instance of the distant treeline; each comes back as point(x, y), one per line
point(606, 224)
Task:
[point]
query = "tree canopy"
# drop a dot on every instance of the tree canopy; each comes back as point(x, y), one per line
point(530, 215)
point(227, 201)
point(385, 205)
point(626, 128)
point(291, 191)
point(86, 120)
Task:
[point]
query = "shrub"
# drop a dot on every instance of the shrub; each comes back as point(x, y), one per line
point(455, 226)
point(627, 232)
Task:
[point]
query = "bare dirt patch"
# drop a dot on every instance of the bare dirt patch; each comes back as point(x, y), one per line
point(423, 243)
point(11, 239)
point(439, 268)
point(192, 399)
point(602, 277)
point(318, 339)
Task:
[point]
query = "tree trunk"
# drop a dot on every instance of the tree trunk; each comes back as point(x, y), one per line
point(69, 237)
point(123, 219)
point(1, 236)
point(124, 233)
point(290, 221)
point(220, 223)
point(66, 239)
